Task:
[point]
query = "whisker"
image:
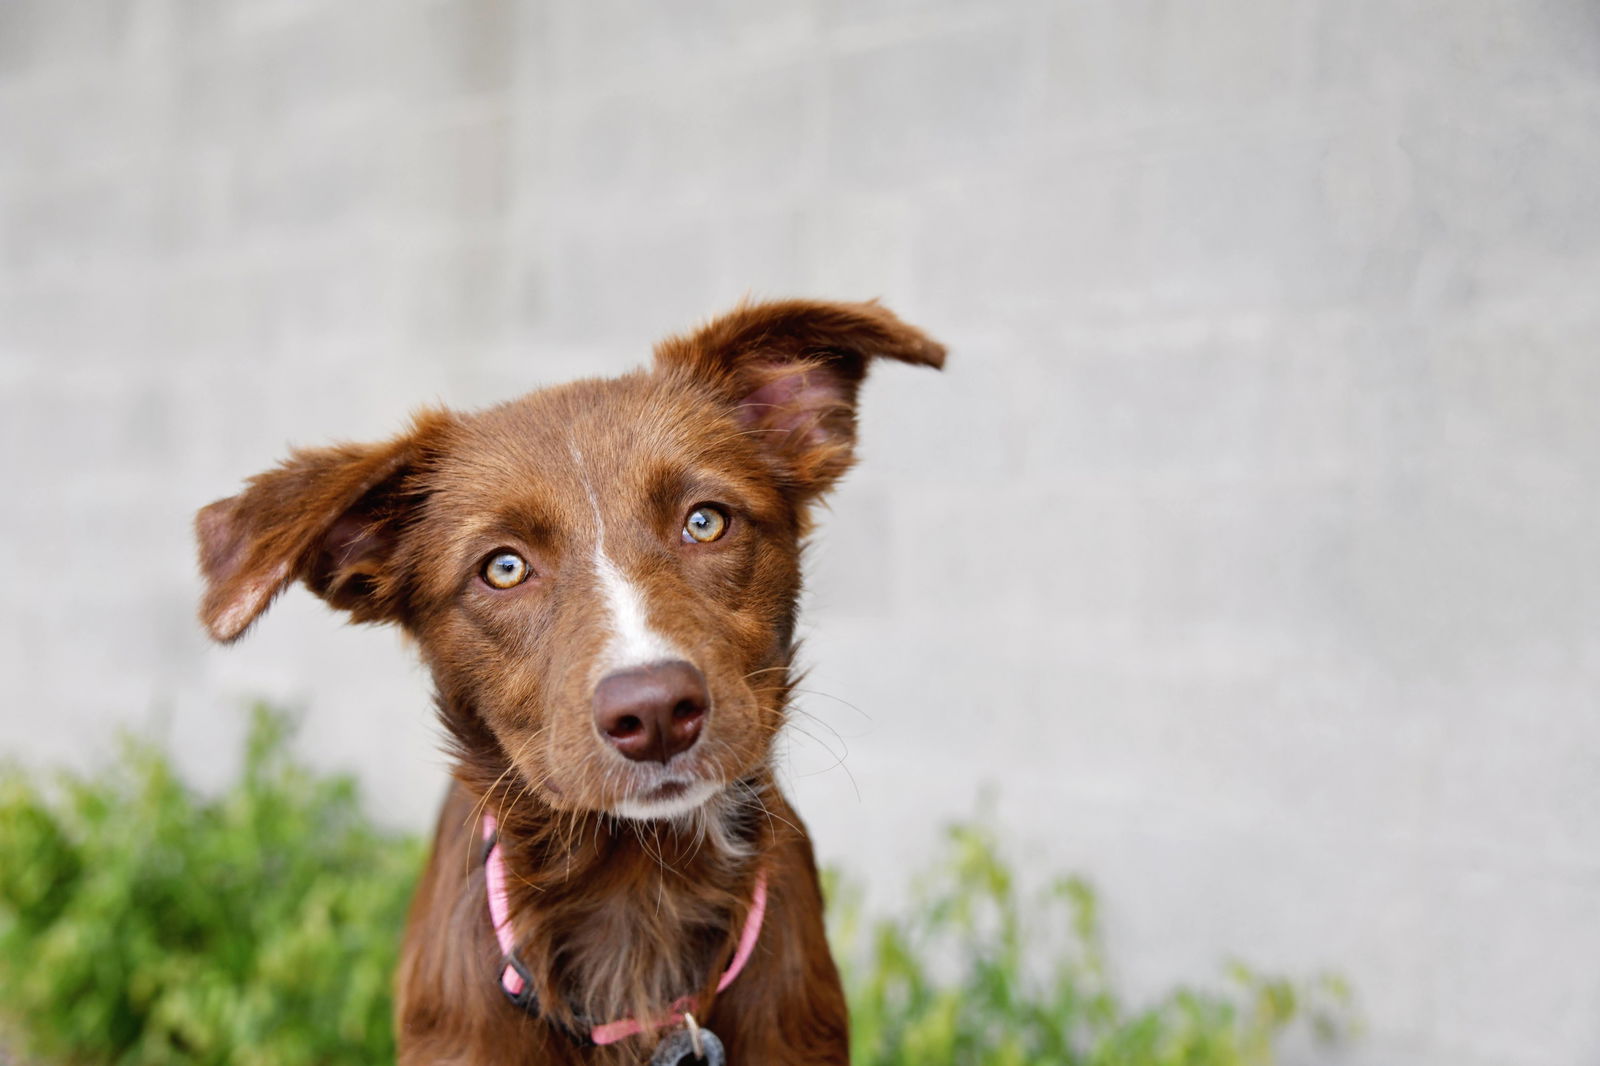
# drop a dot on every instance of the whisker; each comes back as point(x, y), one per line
point(831, 696)
point(840, 737)
point(767, 810)
point(838, 763)
point(478, 807)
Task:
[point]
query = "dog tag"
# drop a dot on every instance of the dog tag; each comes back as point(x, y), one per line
point(678, 1050)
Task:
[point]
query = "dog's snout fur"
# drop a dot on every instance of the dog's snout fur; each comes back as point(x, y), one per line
point(602, 578)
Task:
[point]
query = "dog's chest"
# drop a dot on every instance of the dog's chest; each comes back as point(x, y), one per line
point(640, 951)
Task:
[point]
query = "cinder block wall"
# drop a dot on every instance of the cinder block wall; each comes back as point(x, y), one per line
point(1247, 552)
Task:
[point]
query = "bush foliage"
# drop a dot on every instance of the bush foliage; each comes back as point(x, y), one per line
point(141, 923)
point(144, 924)
point(976, 974)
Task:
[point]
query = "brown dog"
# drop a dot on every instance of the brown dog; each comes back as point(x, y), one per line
point(602, 578)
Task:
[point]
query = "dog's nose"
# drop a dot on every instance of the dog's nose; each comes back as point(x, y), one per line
point(652, 712)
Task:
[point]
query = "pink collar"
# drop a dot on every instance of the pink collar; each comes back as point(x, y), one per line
point(514, 979)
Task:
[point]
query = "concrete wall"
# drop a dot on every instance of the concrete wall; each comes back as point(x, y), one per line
point(1248, 550)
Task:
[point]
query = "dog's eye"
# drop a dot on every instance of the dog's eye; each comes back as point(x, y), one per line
point(705, 524)
point(505, 570)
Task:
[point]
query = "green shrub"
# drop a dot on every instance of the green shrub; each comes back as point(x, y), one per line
point(974, 975)
point(143, 924)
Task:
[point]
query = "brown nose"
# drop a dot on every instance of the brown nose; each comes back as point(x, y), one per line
point(652, 712)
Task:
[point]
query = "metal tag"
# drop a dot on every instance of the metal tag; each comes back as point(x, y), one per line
point(678, 1048)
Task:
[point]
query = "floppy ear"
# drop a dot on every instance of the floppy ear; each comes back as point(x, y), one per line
point(791, 371)
point(329, 516)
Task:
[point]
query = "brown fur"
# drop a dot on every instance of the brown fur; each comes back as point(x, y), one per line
point(614, 917)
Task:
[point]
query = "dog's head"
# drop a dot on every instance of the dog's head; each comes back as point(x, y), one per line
point(601, 575)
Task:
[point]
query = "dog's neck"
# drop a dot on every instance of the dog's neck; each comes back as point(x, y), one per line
point(614, 917)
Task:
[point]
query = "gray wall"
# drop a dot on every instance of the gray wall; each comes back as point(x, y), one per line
point(1247, 549)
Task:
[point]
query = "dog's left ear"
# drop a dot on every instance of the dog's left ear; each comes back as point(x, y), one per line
point(327, 516)
point(791, 371)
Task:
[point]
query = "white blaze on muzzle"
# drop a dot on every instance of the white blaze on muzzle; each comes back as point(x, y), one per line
point(632, 641)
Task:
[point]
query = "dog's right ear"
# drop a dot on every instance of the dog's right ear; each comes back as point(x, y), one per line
point(790, 372)
point(328, 516)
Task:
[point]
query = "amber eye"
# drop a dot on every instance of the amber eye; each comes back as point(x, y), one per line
point(705, 524)
point(505, 570)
